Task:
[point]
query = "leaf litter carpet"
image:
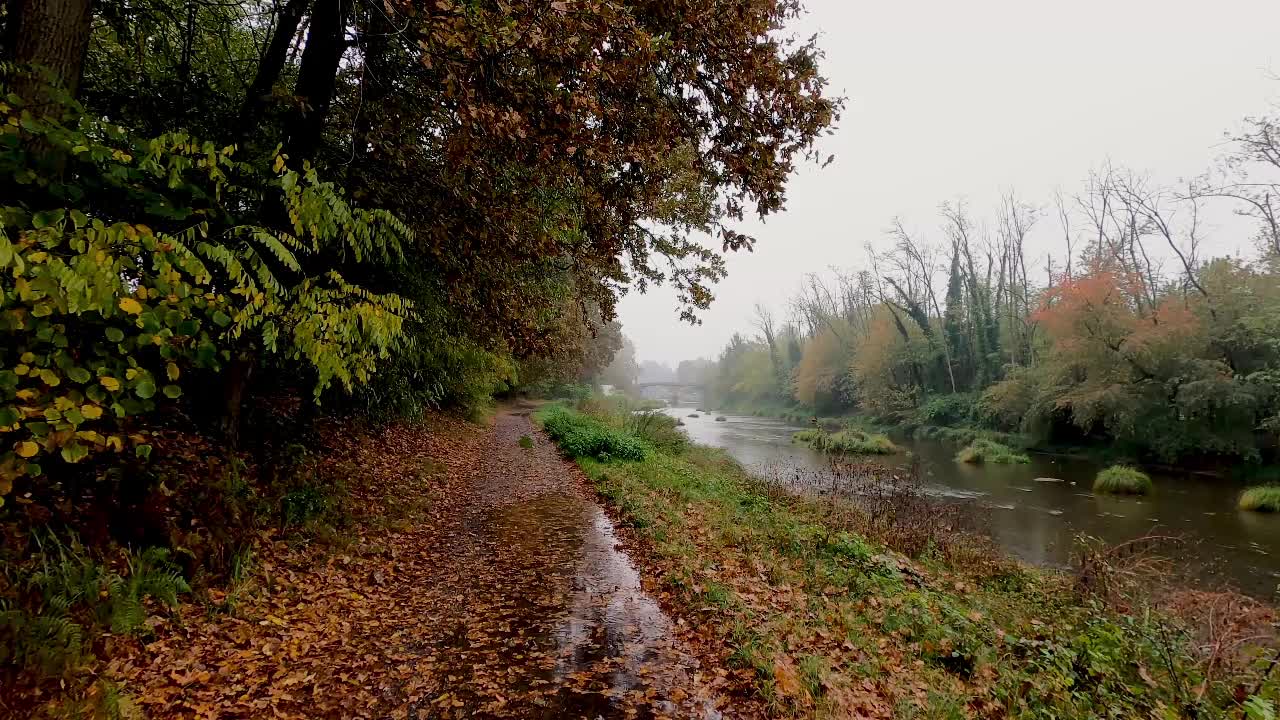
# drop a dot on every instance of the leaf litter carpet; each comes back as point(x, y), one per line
point(503, 594)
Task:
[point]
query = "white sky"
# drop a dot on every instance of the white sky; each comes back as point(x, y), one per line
point(966, 100)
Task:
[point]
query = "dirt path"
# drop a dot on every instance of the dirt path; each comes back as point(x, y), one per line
point(507, 596)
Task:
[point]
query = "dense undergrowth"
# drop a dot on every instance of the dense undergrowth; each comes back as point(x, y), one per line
point(864, 596)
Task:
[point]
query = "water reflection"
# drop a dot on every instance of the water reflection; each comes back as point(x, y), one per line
point(1036, 510)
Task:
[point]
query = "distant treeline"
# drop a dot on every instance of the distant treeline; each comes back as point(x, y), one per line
point(1133, 333)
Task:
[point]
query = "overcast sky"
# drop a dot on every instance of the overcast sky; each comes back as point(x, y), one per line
point(967, 100)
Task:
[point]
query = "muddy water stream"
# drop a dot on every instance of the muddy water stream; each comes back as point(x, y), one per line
point(1036, 510)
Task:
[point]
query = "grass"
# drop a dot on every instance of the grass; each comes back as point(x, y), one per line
point(1123, 480)
point(822, 620)
point(1264, 498)
point(580, 435)
point(848, 442)
point(988, 451)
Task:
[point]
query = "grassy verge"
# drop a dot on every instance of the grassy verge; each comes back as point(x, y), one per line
point(819, 615)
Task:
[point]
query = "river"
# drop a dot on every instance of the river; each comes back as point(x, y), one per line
point(1035, 511)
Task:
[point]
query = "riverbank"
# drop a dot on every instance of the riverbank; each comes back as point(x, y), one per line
point(960, 435)
point(823, 609)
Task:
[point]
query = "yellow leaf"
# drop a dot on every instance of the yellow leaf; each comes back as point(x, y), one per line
point(172, 370)
point(115, 442)
point(28, 357)
point(131, 306)
point(91, 436)
point(27, 449)
point(21, 370)
point(91, 412)
point(109, 383)
point(130, 373)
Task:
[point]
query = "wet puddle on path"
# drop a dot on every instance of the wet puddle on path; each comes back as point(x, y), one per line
point(556, 621)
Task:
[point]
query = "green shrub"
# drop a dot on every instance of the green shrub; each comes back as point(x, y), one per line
point(582, 436)
point(1122, 480)
point(851, 442)
point(988, 451)
point(165, 275)
point(948, 409)
point(69, 592)
point(1264, 498)
point(525, 442)
point(658, 429)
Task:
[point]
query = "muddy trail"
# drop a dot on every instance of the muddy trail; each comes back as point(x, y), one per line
point(503, 593)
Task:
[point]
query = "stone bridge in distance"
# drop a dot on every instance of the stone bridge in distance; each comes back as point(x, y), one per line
point(673, 393)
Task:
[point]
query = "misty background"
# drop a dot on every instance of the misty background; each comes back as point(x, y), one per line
point(966, 102)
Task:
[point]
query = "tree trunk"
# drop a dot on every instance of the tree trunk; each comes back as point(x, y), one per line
point(271, 66)
point(235, 382)
point(317, 78)
point(52, 34)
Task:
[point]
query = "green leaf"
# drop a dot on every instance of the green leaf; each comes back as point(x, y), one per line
point(8, 416)
point(115, 334)
point(221, 318)
point(172, 392)
point(143, 451)
point(79, 375)
point(74, 452)
point(145, 388)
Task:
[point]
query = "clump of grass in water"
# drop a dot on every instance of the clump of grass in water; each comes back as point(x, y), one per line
point(526, 442)
point(1123, 480)
point(852, 442)
point(1264, 498)
point(987, 451)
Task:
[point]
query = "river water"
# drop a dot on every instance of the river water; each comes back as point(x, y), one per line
point(1035, 511)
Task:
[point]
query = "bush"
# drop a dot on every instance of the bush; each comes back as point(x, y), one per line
point(163, 273)
point(582, 436)
point(658, 429)
point(850, 442)
point(71, 591)
point(1123, 480)
point(948, 409)
point(988, 451)
point(1265, 498)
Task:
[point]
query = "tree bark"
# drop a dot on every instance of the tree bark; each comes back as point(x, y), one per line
point(52, 34)
point(271, 66)
point(317, 78)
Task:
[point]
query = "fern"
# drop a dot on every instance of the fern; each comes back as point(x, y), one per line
point(70, 588)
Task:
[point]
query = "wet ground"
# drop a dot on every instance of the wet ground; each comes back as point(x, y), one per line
point(553, 620)
point(477, 579)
